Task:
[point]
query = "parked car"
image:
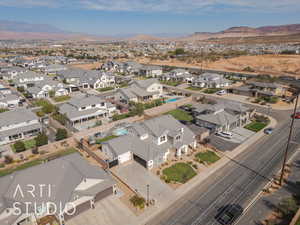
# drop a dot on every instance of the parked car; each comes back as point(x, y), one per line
point(297, 115)
point(229, 214)
point(225, 134)
point(221, 92)
point(268, 130)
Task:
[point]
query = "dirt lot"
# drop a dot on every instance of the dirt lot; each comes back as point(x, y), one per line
point(88, 66)
point(270, 64)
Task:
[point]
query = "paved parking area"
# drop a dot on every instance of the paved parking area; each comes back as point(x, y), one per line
point(240, 135)
point(137, 177)
point(109, 211)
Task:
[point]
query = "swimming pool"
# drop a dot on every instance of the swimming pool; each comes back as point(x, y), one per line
point(120, 132)
point(171, 100)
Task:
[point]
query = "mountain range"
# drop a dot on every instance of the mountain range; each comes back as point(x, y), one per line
point(20, 30)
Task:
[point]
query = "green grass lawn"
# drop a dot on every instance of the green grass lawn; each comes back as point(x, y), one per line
point(194, 88)
point(208, 157)
point(61, 98)
point(179, 172)
point(105, 89)
point(256, 126)
point(171, 83)
point(211, 90)
point(180, 115)
point(28, 144)
point(107, 138)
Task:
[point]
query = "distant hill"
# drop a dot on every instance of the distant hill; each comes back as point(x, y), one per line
point(244, 31)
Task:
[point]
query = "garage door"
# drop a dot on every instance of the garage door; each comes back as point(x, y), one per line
point(140, 161)
point(104, 194)
point(124, 157)
point(79, 209)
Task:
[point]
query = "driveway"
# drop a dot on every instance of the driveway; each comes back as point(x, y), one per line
point(137, 177)
point(109, 211)
point(240, 135)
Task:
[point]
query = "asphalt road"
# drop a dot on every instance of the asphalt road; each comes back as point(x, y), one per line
point(238, 182)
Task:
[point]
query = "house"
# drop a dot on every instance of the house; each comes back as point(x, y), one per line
point(63, 188)
point(85, 108)
point(151, 71)
point(132, 68)
point(150, 142)
point(53, 68)
point(260, 89)
point(43, 89)
point(140, 91)
point(113, 66)
point(9, 100)
point(22, 123)
point(11, 72)
point(5, 90)
point(178, 75)
point(28, 79)
point(221, 117)
point(210, 80)
point(87, 78)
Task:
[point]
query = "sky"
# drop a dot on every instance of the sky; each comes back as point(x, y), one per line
point(120, 17)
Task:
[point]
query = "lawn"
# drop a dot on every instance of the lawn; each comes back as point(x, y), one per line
point(61, 98)
point(180, 115)
point(28, 144)
point(211, 90)
point(105, 89)
point(256, 126)
point(208, 157)
point(171, 83)
point(194, 88)
point(107, 138)
point(179, 172)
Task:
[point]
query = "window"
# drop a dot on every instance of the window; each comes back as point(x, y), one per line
point(102, 103)
point(178, 137)
point(93, 106)
point(163, 138)
point(83, 108)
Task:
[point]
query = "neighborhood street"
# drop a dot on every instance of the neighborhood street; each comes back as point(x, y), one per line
point(238, 182)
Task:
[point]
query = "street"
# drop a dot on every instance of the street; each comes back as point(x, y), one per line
point(237, 183)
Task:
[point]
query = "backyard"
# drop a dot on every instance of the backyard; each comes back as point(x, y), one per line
point(180, 115)
point(105, 89)
point(208, 157)
point(179, 172)
point(194, 88)
point(28, 144)
point(61, 98)
point(171, 83)
point(211, 90)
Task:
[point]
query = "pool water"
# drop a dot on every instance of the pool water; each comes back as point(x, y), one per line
point(171, 100)
point(120, 132)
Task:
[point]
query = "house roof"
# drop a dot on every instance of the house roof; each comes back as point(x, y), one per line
point(16, 116)
point(63, 175)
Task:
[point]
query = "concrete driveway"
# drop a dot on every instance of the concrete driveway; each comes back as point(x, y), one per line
point(109, 211)
point(137, 177)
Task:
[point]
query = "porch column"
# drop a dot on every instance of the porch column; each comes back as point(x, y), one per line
point(178, 152)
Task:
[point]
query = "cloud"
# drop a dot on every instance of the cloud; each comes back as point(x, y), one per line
point(175, 6)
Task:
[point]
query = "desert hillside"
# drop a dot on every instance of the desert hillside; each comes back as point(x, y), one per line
point(269, 64)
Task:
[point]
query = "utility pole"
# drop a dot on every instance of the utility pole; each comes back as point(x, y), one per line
point(148, 186)
point(289, 140)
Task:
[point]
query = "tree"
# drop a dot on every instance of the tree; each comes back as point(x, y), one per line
point(48, 108)
point(51, 93)
point(41, 140)
point(61, 134)
point(8, 159)
point(19, 146)
point(179, 51)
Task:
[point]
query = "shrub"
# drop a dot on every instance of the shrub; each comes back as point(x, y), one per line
point(8, 159)
point(35, 151)
point(41, 139)
point(19, 146)
point(40, 113)
point(138, 201)
point(61, 134)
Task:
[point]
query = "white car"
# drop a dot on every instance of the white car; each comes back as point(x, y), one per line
point(224, 134)
point(221, 92)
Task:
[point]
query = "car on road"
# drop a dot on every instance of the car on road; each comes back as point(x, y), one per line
point(296, 115)
point(221, 92)
point(224, 134)
point(268, 130)
point(229, 213)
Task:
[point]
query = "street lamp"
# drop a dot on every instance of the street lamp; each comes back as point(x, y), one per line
point(289, 139)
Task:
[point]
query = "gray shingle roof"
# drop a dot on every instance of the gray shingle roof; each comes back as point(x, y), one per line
point(16, 116)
